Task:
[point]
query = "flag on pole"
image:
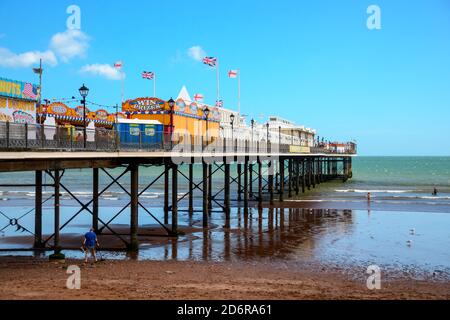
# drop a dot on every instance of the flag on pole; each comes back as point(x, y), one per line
point(210, 61)
point(118, 65)
point(232, 74)
point(37, 70)
point(148, 75)
point(219, 103)
point(198, 97)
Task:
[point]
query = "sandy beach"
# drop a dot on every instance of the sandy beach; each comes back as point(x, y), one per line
point(33, 278)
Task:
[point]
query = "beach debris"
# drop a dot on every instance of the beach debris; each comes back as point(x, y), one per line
point(409, 243)
point(412, 231)
point(169, 272)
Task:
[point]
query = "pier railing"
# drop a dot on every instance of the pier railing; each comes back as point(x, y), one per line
point(37, 137)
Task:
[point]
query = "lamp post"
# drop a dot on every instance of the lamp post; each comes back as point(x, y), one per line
point(206, 113)
point(171, 103)
point(253, 124)
point(232, 127)
point(84, 91)
point(279, 136)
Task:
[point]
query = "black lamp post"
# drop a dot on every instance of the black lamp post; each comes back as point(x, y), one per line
point(279, 136)
point(253, 124)
point(232, 126)
point(206, 113)
point(84, 91)
point(267, 127)
point(171, 103)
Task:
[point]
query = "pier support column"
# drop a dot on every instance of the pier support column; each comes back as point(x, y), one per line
point(290, 166)
point(270, 180)
point(191, 187)
point(166, 192)
point(260, 182)
point(308, 170)
point(281, 179)
point(205, 194)
point(174, 199)
point(350, 172)
point(38, 210)
point(313, 172)
point(227, 193)
point(239, 189)
point(297, 176)
point(246, 185)
point(250, 179)
point(210, 173)
point(57, 209)
point(95, 199)
point(303, 176)
point(134, 222)
point(56, 239)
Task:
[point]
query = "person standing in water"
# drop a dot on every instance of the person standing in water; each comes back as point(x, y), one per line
point(89, 243)
point(435, 192)
point(368, 196)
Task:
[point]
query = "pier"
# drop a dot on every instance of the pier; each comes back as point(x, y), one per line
point(265, 173)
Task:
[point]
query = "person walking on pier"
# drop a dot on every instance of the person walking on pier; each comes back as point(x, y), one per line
point(89, 243)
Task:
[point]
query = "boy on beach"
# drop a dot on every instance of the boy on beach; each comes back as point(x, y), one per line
point(89, 243)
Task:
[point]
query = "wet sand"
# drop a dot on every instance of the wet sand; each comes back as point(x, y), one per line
point(33, 278)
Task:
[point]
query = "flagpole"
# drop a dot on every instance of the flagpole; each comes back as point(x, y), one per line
point(239, 91)
point(122, 81)
point(154, 85)
point(218, 81)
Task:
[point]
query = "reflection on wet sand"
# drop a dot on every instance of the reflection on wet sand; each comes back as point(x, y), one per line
point(260, 232)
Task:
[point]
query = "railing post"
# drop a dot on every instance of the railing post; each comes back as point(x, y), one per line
point(7, 134)
point(140, 139)
point(42, 136)
point(26, 135)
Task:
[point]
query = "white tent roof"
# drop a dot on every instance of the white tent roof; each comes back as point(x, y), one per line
point(184, 94)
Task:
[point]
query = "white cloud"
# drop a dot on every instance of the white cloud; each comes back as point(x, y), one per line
point(69, 44)
point(104, 70)
point(26, 59)
point(196, 52)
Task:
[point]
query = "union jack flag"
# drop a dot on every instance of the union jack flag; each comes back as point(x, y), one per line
point(210, 61)
point(219, 103)
point(29, 91)
point(148, 75)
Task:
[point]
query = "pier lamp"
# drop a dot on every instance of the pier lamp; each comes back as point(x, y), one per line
point(253, 124)
point(171, 104)
point(206, 113)
point(232, 127)
point(84, 91)
point(279, 136)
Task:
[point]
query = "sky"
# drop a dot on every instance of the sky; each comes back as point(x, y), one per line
point(313, 62)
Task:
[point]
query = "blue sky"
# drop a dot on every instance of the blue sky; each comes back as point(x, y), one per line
point(314, 62)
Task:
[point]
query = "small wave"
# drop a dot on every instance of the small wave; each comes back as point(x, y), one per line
point(149, 197)
point(422, 197)
point(111, 198)
point(372, 191)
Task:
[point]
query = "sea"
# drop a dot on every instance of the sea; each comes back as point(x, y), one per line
point(403, 228)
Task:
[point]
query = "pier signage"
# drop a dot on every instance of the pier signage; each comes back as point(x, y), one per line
point(18, 101)
point(18, 90)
